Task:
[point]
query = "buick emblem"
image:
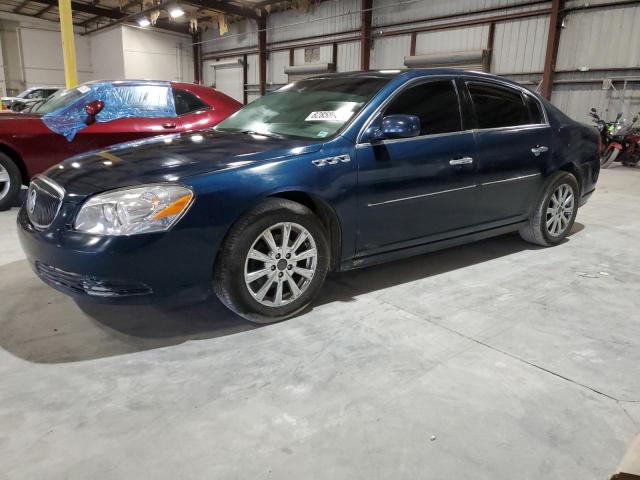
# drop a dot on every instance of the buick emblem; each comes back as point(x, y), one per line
point(31, 200)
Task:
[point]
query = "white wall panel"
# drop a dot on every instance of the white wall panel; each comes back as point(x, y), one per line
point(42, 57)
point(389, 52)
point(322, 19)
point(453, 40)
point(107, 55)
point(240, 35)
point(278, 61)
point(601, 38)
point(393, 11)
point(519, 45)
point(154, 55)
point(576, 100)
point(348, 57)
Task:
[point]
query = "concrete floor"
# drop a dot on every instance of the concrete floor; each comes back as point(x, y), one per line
point(494, 360)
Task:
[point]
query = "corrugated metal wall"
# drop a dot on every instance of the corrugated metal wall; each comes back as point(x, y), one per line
point(600, 40)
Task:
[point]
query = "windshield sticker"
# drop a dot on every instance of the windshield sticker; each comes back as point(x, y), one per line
point(83, 89)
point(329, 116)
point(322, 134)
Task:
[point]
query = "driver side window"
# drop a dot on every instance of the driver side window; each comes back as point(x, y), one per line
point(434, 103)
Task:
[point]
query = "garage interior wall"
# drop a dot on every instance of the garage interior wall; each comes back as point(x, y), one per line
point(32, 54)
point(598, 41)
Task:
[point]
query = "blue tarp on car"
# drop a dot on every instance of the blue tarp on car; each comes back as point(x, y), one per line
point(121, 100)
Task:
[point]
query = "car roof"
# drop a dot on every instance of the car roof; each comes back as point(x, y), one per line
point(411, 73)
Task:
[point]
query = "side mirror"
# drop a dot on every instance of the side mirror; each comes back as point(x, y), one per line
point(93, 109)
point(398, 126)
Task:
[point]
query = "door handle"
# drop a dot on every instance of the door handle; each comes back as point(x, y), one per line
point(538, 149)
point(169, 125)
point(461, 161)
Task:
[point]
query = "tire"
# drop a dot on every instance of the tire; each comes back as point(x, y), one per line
point(542, 228)
point(10, 182)
point(609, 157)
point(240, 280)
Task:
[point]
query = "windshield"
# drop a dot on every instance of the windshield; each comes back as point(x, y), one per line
point(309, 109)
point(61, 98)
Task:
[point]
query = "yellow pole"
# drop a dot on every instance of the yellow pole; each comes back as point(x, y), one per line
point(68, 46)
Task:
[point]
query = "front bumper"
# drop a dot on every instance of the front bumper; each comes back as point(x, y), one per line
point(174, 266)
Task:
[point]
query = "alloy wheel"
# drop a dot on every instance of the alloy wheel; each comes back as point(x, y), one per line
point(281, 264)
point(560, 210)
point(5, 182)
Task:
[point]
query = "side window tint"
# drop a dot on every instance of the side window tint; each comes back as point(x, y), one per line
point(186, 102)
point(496, 106)
point(434, 103)
point(535, 112)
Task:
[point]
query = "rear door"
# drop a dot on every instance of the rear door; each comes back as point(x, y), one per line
point(514, 141)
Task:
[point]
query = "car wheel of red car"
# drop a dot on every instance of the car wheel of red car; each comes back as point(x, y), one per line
point(273, 262)
point(10, 182)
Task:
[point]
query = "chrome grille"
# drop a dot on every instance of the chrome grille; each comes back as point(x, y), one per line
point(44, 200)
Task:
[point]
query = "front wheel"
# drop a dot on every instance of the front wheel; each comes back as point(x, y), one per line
point(273, 262)
point(10, 182)
point(609, 157)
point(555, 211)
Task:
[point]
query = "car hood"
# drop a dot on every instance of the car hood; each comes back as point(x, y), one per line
point(169, 158)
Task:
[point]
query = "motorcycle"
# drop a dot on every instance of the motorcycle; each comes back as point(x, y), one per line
point(619, 141)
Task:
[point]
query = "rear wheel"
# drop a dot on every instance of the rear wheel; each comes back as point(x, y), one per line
point(10, 182)
point(609, 157)
point(554, 213)
point(273, 262)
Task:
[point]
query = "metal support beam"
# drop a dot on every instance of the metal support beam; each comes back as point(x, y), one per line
point(197, 57)
point(490, 42)
point(245, 77)
point(262, 52)
point(412, 46)
point(68, 45)
point(365, 33)
point(553, 39)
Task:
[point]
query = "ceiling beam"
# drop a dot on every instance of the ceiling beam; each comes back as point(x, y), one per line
point(86, 8)
point(43, 11)
point(224, 7)
point(124, 8)
point(21, 6)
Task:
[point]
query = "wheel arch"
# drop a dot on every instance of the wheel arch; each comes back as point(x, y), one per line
point(327, 216)
point(17, 159)
point(575, 171)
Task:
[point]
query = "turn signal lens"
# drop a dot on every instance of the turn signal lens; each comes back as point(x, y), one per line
point(129, 211)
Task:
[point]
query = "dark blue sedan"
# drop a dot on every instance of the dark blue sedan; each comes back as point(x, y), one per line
point(329, 173)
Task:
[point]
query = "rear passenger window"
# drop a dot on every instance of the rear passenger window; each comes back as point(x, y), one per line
point(535, 112)
point(497, 106)
point(186, 102)
point(434, 103)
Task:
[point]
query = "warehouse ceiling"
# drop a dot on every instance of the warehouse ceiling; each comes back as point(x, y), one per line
point(92, 15)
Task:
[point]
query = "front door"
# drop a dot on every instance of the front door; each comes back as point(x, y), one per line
point(417, 189)
point(514, 142)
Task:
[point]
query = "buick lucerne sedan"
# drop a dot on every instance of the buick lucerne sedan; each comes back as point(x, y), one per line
point(330, 173)
point(96, 115)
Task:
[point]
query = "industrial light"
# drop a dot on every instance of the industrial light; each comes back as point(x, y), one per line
point(144, 22)
point(176, 11)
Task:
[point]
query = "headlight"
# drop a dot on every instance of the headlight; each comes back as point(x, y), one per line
point(151, 208)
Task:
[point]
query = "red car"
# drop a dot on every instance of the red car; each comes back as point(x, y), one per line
point(96, 115)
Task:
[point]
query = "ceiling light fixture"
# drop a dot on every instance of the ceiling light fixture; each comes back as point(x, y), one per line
point(175, 11)
point(144, 22)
